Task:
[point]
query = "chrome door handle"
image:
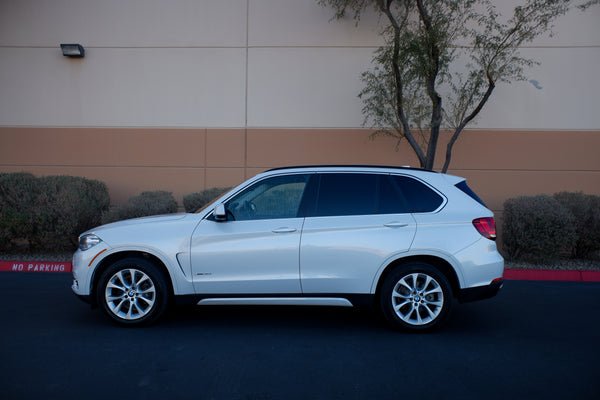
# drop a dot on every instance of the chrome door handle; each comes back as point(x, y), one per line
point(284, 230)
point(395, 224)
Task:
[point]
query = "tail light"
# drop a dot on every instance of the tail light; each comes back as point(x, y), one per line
point(486, 227)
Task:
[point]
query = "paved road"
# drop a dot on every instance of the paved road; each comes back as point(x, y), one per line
point(536, 340)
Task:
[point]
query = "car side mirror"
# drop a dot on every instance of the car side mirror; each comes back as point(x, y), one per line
point(220, 213)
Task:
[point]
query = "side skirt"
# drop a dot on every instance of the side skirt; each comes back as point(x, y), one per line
point(317, 299)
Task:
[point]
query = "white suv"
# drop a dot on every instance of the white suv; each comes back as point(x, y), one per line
point(407, 241)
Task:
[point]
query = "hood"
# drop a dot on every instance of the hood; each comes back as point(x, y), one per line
point(140, 221)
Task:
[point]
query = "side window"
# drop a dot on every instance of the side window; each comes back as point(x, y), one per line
point(419, 197)
point(276, 197)
point(346, 194)
point(390, 198)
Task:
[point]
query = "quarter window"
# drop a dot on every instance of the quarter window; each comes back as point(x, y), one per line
point(419, 197)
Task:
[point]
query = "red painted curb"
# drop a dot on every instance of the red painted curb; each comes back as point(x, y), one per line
point(35, 266)
point(590, 276)
point(509, 274)
point(550, 275)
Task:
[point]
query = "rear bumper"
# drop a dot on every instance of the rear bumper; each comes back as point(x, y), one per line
point(480, 292)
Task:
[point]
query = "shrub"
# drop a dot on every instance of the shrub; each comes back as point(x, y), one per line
point(48, 212)
point(586, 211)
point(68, 206)
point(537, 229)
point(195, 201)
point(18, 193)
point(143, 205)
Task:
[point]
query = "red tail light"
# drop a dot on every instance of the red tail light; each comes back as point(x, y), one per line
point(486, 227)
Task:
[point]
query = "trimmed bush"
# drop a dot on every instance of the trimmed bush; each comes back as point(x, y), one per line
point(48, 212)
point(586, 211)
point(18, 194)
point(195, 201)
point(537, 229)
point(143, 205)
point(68, 206)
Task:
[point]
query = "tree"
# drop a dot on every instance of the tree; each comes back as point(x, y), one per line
point(440, 63)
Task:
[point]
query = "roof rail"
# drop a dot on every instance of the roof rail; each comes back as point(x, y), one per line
point(406, 167)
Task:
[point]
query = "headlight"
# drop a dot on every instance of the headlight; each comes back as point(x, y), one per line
point(88, 241)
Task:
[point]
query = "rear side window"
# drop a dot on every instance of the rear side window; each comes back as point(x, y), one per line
point(419, 197)
point(346, 194)
point(467, 190)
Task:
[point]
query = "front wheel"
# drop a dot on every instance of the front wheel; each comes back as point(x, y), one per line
point(415, 297)
point(133, 292)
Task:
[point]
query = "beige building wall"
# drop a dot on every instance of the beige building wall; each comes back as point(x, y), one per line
point(498, 164)
point(183, 95)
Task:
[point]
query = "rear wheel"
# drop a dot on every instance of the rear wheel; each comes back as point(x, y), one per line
point(133, 292)
point(415, 297)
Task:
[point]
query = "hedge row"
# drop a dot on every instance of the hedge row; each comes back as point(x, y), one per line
point(546, 228)
point(49, 213)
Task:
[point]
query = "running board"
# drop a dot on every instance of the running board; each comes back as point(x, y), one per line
point(278, 301)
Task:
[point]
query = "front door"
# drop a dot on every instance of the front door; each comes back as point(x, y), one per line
point(257, 249)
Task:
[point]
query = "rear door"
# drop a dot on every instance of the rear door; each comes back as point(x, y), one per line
point(357, 224)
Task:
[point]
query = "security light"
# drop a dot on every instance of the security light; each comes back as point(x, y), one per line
point(72, 50)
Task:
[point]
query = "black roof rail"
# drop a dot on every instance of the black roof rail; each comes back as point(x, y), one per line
point(351, 166)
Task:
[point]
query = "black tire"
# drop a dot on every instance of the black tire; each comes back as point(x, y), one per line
point(415, 297)
point(133, 292)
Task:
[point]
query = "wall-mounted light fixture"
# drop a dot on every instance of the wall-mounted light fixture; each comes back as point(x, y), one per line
point(72, 50)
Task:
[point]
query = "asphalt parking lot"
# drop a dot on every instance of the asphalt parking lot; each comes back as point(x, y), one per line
point(535, 340)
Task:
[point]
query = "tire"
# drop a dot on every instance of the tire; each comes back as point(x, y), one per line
point(133, 292)
point(415, 297)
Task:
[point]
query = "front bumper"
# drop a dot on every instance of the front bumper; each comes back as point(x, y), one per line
point(84, 264)
point(480, 292)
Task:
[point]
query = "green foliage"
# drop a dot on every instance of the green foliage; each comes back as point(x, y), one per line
point(586, 211)
point(537, 229)
point(143, 205)
point(441, 62)
point(18, 194)
point(48, 212)
point(68, 206)
point(195, 201)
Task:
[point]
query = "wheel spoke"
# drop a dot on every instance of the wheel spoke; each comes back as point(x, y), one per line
point(149, 290)
point(149, 302)
point(397, 307)
point(143, 279)
point(116, 308)
point(428, 280)
point(419, 319)
point(404, 283)
point(406, 316)
point(110, 298)
point(396, 293)
point(438, 303)
point(436, 289)
point(433, 313)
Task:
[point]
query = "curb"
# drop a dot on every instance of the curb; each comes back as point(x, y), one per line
point(35, 266)
point(551, 275)
point(509, 274)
